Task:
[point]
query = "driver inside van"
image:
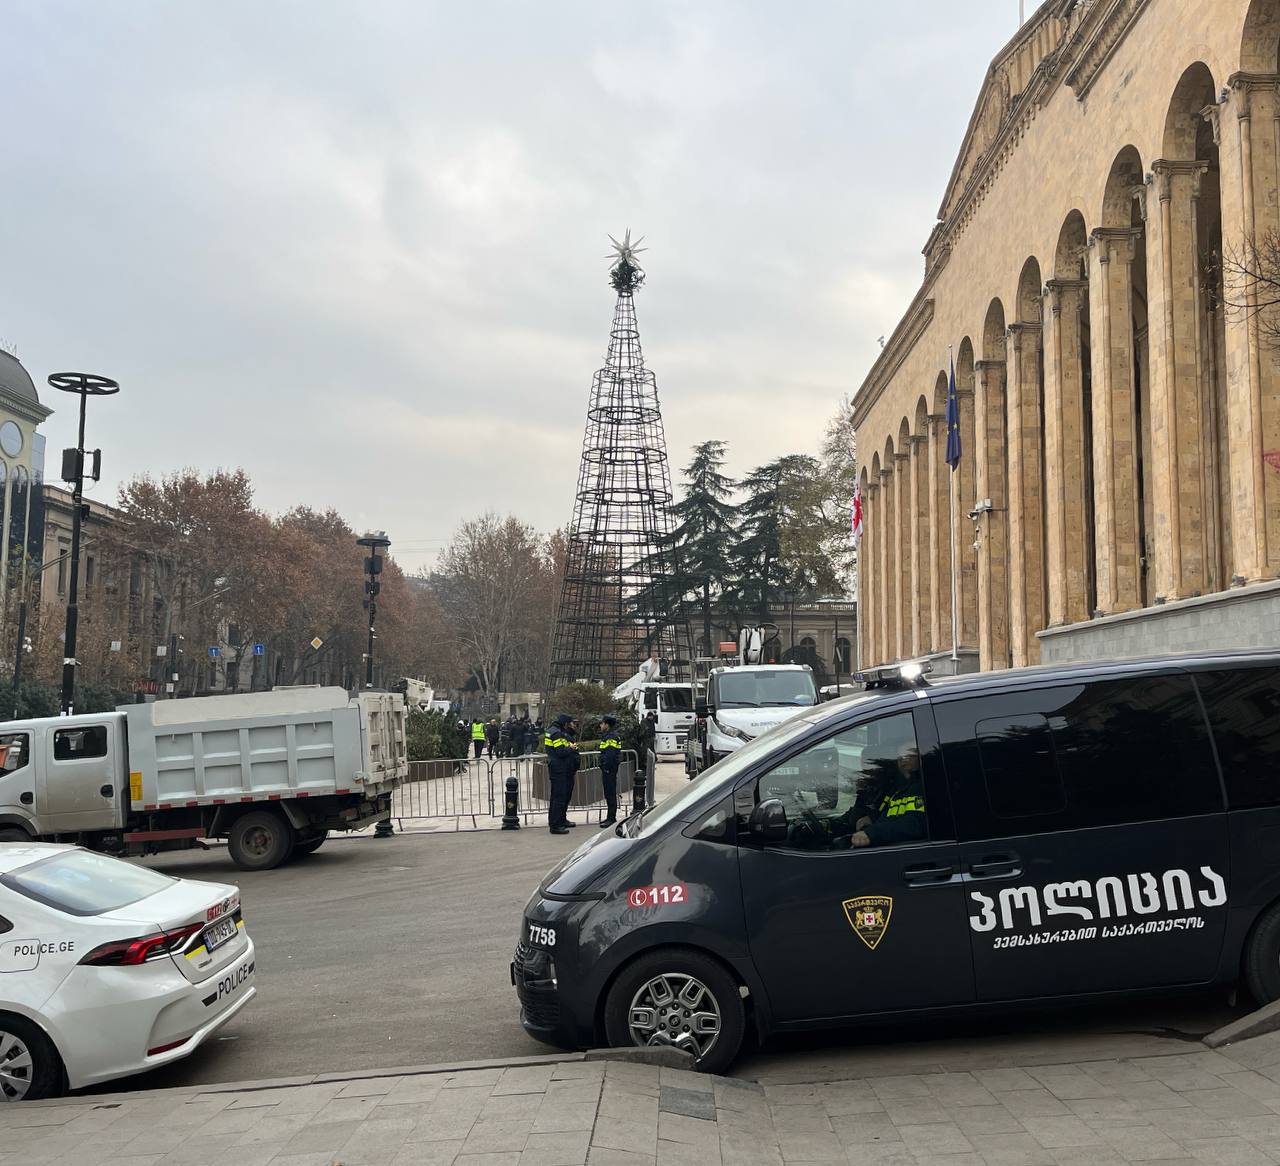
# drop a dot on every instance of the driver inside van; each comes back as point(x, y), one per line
point(889, 809)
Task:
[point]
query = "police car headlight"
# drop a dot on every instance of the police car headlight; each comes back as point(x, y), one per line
point(732, 731)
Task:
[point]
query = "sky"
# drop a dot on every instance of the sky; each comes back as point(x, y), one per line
point(359, 248)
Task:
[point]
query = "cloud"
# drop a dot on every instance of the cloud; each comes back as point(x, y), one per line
point(359, 249)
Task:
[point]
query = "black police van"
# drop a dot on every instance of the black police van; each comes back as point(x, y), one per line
point(1023, 836)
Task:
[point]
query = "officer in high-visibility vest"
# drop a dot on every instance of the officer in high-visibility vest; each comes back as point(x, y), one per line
point(562, 763)
point(610, 759)
point(891, 811)
point(477, 737)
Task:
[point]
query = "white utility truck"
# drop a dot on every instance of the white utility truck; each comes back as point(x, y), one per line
point(271, 772)
point(670, 701)
point(743, 698)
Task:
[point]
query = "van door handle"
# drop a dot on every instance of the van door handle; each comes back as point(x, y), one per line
point(995, 866)
point(106, 791)
point(922, 876)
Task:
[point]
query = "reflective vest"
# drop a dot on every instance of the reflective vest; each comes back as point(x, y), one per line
point(477, 730)
point(893, 807)
point(610, 743)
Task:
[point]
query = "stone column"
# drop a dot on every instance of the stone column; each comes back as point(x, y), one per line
point(869, 565)
point(906, 577)
point(1250, 171)
point(939, 536)
point(1026, 526)
point(965, 497)
point(1181, 559)
point(891, 575)
point(993, 554)
point(1116, 440)
point(921, 593)
point(1067, 476)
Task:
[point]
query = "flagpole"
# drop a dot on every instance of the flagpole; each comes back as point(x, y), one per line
point(955, 579)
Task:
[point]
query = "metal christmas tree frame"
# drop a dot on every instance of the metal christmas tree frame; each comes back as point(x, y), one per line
point(620, 601)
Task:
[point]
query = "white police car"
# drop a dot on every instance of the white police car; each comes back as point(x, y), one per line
point(108, 969)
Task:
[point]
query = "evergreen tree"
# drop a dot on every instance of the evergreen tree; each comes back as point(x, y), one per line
point(705, 533)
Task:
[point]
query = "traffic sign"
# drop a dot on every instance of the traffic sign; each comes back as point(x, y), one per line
point(259, 649)
point(317, 643)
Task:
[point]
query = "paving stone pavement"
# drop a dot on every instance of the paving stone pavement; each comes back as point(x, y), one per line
point(1199, 1106)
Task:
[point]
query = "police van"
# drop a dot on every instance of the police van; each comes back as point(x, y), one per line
point(1012, 837)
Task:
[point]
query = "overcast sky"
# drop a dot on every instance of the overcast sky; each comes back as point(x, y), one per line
point(358, 248)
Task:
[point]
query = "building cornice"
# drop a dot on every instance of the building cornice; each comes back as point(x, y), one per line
point(24, 407)
point(909, 330)
point(1095, 41)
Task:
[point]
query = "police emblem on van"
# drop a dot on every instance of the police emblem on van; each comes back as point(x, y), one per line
point(869, 917)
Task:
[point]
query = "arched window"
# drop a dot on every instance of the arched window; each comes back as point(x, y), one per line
point(844, 657)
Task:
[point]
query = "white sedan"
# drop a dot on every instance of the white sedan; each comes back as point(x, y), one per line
point(108, 969)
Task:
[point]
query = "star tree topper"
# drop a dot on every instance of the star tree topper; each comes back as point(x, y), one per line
point(626, 274)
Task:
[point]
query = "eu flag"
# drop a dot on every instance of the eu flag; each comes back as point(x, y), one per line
point(953, 421)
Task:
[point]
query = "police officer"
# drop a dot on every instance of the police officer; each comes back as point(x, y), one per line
point(610, 759)
point(478, 739)
point(562, 763)
point(891, 810)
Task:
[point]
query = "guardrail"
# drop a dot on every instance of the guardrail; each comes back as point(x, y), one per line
point(473, 787)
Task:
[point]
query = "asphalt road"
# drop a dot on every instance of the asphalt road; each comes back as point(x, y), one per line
point(374, 953)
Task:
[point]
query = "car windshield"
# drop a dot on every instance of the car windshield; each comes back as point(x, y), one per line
point(758, 689)
point(677, 700)
point(80, 882)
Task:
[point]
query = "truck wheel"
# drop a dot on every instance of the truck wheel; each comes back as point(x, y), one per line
point(310, 846)
point(261, 840)
point(30, 1067)
point(679, 998)
point(14, 834)
point(1262, 958)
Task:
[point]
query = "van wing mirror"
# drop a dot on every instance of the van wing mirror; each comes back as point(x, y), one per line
point(700, 709)
point(768, 822)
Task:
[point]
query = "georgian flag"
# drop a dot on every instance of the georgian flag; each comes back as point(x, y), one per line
point(856, 526)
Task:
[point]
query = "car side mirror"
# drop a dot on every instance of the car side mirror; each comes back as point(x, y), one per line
point(700, 709)
point(768, 822)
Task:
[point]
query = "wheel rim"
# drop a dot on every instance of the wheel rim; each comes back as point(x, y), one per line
point(16, 1065)
point(257, 841)
point(675, 1009)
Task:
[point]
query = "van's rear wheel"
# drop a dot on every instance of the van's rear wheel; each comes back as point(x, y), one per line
point(14, 834)
point(1262, 958)
point(30, 1067)
point(679, 998)
point(261, 840)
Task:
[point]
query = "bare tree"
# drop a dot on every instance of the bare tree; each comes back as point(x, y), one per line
point(1251, 285)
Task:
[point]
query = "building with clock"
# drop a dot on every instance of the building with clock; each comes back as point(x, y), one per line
point(21, 477)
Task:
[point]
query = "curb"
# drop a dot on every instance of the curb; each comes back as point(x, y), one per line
point(1257, 1023)
point(670, 1058)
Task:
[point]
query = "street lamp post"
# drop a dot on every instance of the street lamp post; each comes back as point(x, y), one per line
point(85, 385)
point(373, 541)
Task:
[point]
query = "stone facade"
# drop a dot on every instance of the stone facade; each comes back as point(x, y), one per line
point(1120, 420)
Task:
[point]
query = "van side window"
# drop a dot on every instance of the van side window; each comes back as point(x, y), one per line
point(1073, 756)
point(1244, 712)
point(860, 788)
point(1019, 765)
point(5, 925)
point(15, 752)
point(80, 743)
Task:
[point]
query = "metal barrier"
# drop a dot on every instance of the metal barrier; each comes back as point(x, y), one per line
point(473, 787)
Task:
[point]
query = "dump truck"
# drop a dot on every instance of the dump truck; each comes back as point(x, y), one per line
point(271, 772)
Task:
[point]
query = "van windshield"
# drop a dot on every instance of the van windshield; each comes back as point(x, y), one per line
point(759, 689)
point(717, 780)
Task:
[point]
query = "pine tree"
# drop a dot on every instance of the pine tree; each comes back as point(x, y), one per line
point(705, 533)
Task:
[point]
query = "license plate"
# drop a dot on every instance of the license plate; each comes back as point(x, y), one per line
point(216, 934)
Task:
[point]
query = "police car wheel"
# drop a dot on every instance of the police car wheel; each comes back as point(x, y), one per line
point(682, 999)
point(260, 840)
point(1262, 958)
point(30, 1067)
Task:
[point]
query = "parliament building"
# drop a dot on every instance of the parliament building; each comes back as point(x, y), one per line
point(1118, 375)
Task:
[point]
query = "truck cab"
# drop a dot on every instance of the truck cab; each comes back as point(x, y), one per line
point(674, 705)
point(741, 703)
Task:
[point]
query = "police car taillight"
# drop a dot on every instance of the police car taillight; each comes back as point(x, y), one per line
point(130, 952)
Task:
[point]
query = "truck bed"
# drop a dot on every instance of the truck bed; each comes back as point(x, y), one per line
point(289, 743)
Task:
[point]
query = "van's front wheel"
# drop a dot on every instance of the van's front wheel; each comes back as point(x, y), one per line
point(679, 998)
